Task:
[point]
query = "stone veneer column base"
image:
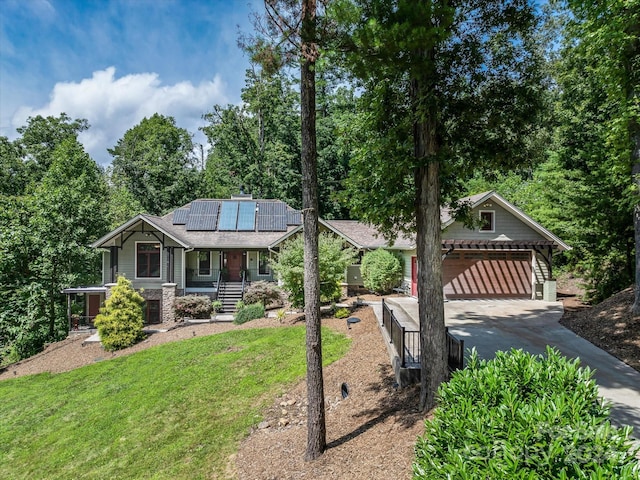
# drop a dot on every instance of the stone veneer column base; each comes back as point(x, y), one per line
point(108, 286)
point(168, 297)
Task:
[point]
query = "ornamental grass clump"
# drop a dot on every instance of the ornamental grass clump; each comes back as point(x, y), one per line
point(521, 416)
point(120, 321)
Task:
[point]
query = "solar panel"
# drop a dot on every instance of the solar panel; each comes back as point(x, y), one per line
point(180, 216)
point(203, 215)
point(228, 216)
point(272, 217)
point(294, 217)
point(247, 216)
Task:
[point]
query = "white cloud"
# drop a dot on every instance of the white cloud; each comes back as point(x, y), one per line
point(114, 105)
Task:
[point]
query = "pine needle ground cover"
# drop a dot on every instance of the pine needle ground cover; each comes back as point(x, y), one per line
point(174, 411)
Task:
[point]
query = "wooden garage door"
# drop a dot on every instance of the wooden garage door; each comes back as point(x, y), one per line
point(487, 274)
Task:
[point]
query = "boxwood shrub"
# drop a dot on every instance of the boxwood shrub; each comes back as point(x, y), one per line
point(245, 313)
point(521, 416)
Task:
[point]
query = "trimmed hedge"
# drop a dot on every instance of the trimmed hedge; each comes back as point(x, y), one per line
point(521, 416)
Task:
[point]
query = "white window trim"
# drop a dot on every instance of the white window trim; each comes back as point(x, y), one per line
point(135, 262)
point(493, 221)
point(210, 263)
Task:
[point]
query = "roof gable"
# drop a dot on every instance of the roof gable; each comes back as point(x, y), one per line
point(476, 201)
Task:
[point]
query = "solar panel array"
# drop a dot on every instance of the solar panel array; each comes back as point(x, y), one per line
point(203, 215)
point(234, 215)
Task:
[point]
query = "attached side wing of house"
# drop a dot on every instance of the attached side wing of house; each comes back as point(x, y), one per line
point(506, 255)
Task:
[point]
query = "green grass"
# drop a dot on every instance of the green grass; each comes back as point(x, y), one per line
point(174, 411)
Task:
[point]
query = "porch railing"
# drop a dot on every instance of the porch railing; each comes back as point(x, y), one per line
point(195, 281)
point(455, 352)
point(407, 342)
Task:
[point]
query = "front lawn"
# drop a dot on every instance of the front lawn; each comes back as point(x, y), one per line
point(173, 411)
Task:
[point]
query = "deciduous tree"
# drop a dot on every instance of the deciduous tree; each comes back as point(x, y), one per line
point(156, 163)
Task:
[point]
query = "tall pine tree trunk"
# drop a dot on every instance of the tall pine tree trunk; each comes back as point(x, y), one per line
point(316, 428)
point(433, 357)
point(633, 75)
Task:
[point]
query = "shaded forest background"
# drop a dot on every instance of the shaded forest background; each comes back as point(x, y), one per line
point(573, 174)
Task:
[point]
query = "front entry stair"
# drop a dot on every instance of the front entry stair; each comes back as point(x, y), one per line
point(230, 293)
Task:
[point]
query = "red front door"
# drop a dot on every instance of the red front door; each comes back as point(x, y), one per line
point(414, 276)
point(94, 305)
point(234, 265)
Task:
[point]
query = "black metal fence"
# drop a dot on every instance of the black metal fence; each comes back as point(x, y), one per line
point(407, 342)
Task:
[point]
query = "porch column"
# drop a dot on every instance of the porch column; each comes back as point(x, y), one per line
point(113, 264)
point(108, 286)
point(168, 297)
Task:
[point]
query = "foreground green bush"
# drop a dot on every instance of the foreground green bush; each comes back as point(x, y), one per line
point(120, 321)
point(246, 313)
point(381, 271)
point(522, 416)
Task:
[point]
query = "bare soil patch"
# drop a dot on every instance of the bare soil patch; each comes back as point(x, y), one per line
point(609, 325)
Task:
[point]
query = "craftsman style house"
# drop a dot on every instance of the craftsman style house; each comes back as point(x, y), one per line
point(216, 247)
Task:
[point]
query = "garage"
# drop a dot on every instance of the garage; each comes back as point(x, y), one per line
point(488, 274)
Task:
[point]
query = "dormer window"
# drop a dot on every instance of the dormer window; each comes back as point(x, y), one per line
point(487, 221)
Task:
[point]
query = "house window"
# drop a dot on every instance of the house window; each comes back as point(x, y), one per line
point(487, 221)
point(263, 266)
point(148, 260)
point(152, 311)
point(204, 264)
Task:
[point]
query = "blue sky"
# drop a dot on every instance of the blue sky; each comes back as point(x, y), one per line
point(114, 62)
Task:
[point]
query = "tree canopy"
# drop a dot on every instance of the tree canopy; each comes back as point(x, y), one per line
point(155, 162)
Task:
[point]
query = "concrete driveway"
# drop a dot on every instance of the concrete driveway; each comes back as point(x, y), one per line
point(492, 325)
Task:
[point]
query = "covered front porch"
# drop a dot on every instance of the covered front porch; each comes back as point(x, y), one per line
point(83, 305)
point(208, 269)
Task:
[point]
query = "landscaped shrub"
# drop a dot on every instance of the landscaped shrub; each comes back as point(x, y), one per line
point(120, 321)
point(522, 416)
point(193, 306)
point(342, 313)
point(381, 271)
point(333, 259)
point(263, 292)
point(216, 306)
point(248, 312)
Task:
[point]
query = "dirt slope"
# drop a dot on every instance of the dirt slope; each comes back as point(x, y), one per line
point(608, 325)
